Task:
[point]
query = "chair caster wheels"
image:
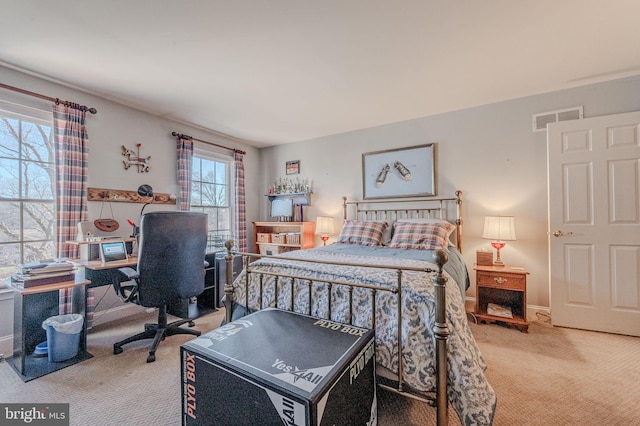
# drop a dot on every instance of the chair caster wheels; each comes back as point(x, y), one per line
point(117, 350)
point(151, 357)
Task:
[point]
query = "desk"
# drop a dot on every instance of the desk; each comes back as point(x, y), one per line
point(33, 305)
point(104, 273)
point(86, 247)
point(101, 274)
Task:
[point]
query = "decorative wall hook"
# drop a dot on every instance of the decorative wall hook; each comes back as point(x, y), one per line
point(134, 159)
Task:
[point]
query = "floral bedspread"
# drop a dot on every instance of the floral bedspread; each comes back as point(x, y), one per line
point(468, 390)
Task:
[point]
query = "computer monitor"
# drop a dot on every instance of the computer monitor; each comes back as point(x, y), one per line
point(113, 251)
point(282, 207)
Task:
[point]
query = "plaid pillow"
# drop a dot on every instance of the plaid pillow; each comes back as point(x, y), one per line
point(424, 236)
point(448, 225)
point(364, 233)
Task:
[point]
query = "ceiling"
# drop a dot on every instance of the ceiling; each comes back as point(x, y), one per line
point(280, 71)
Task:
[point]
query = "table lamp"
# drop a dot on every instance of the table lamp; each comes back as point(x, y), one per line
point(143, 191)
point(499, 229)
point(324, 228)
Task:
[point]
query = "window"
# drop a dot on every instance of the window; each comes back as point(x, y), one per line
point(27, 191)
point(212, 192)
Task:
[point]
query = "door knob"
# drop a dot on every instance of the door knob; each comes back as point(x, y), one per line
point(561, 234)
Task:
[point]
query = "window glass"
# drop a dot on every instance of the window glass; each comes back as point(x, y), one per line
point(27, 192)
point(211, 192)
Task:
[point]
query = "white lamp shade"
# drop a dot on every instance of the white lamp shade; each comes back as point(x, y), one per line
point(324, 225)
point(499, 228)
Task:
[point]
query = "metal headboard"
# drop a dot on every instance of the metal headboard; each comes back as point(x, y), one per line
point(394, 209)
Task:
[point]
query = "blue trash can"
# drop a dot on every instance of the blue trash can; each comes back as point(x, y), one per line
point(63, 336)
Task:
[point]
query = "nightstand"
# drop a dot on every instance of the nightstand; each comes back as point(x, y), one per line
point(505, 286)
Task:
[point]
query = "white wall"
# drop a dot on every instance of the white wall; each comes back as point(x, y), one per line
point(115, 125)
point(489, 153)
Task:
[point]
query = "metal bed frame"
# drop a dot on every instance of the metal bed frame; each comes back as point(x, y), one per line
point(440, 328)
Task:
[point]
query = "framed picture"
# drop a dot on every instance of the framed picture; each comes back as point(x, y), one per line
point(293, 167)
point(402, 172)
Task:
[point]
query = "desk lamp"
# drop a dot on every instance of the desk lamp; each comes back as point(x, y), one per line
point(324, 228)
point(499, 229)
point(143, 191)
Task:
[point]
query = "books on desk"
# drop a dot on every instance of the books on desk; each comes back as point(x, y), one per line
point(26, 281)
point(40, 273)
point(45, 267)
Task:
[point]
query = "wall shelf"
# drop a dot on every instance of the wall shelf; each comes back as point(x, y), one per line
point(125, 196)
point(299, 198)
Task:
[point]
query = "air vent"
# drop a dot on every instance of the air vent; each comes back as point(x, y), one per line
point(541, 120)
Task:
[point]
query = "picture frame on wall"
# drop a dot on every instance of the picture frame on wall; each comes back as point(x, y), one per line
point(293, 167)
point(401, 172)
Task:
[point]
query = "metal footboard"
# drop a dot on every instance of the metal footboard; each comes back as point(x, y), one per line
point(440, 328)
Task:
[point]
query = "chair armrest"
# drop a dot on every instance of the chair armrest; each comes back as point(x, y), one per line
point(130, 273)
point(128, 293)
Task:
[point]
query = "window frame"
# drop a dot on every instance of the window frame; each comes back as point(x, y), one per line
point(204, 151)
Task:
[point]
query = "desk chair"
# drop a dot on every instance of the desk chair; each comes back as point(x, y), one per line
point(170, 267)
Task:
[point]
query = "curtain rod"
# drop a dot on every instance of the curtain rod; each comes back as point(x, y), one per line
point(56, 100)
point(180, 135)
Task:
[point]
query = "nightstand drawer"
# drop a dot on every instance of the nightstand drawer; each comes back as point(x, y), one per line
point(495, 279)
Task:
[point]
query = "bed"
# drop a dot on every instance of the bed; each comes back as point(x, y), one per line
point(400, 271)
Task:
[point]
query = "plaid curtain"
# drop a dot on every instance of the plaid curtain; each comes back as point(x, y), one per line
point(72, 153)
point(185, 164)
point(241, 214)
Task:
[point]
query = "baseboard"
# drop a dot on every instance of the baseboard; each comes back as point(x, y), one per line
point(6, 346)
point(539, 314)
point(470, 304)
point(116, 313)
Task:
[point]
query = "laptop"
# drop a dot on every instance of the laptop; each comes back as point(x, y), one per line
point(113, 251)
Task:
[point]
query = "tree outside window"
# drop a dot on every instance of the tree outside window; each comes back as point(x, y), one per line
point(211, 193)
point(27, 189)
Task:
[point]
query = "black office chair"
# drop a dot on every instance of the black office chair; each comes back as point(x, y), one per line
point(170, 267)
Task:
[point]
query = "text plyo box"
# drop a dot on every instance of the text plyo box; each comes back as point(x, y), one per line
point(276, 367)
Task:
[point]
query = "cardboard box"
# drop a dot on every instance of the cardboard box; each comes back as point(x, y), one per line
point(278, 367)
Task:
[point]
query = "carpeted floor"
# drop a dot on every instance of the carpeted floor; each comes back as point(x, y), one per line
point(551, 376)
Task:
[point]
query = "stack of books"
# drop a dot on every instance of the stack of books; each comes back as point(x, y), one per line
point(45, 272)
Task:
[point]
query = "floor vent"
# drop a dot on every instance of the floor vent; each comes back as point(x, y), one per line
point(541, 120)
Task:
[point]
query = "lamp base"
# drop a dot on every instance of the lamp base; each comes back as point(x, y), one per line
point(498, 245)
point(324, 239)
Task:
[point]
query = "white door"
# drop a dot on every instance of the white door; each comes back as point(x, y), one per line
point(594, 223)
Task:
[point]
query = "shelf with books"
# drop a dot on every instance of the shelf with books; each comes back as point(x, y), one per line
point(278, 237)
